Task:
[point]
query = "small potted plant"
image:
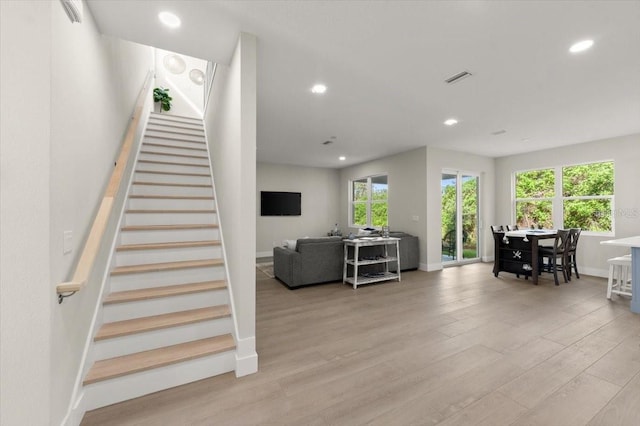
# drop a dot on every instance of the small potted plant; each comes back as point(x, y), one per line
point(161, 96)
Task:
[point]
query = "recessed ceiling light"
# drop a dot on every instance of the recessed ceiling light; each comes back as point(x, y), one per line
point(451, 122)
point(319, 88)
point(169, 19)
point(342, 158)
point(581, 46)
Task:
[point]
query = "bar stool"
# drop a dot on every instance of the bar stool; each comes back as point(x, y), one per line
point(619, 276)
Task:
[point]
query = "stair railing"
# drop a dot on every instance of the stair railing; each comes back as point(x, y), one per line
point(94, 240)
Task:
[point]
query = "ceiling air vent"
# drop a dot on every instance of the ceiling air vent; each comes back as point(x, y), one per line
point(457, 77)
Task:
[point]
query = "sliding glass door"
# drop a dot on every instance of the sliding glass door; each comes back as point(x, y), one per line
point(459, 217)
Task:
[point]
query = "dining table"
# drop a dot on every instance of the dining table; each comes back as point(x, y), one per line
point(517, 251)
point(634, 244)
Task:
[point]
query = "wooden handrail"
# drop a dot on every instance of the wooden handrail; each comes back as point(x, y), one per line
point(91, 247)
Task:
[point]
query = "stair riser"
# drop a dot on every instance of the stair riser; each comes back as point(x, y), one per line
point(141, 257)
point(175, 125)
point(174, 168)
point(168, 204)
point(187, 129)
point(146, 237)
point(155, 339)
point(150, 134)
point(172, 190)
point(176, 148)
point(154, 155)
point(134, 385)
point(163, 278)
point(170, 118)
point(153, 141)
point(161, 178)
point(164, 305)
point(169, 218)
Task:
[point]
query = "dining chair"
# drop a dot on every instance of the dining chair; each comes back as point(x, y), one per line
point(554, 253)
point(574, 236)
point(512, 227)
point(497, 228)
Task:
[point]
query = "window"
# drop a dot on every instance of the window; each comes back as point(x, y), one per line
point(587, 196)
point(369, 203)
point(534, 196)
point(578, 196)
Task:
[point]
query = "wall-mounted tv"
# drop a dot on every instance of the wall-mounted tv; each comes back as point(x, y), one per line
point(280, 203)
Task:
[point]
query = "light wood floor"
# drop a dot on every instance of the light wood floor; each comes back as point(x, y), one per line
point(453, 347)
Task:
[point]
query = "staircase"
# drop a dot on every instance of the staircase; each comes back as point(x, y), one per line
point(166, 319)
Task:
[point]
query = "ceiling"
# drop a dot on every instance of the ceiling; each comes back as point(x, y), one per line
point(385, 62)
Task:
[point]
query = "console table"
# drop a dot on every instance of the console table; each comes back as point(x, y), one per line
point(517, 251)
point(391, 253)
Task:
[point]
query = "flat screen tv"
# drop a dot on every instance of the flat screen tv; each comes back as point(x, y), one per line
point(280, 203)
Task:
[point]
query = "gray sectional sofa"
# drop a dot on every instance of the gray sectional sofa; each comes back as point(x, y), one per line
point(319, 260)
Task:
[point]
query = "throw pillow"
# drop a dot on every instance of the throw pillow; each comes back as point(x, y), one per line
point(290, 244)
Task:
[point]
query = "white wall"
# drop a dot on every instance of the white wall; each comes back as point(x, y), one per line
point(439, 159)
point(188, 97)
point(407, 181)
point(25, 288)
point(70, 94)
point(230, 123)
point(624, 151)
point(320, 204)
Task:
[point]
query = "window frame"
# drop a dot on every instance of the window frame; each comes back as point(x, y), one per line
point(557, 201)
point(369, 201)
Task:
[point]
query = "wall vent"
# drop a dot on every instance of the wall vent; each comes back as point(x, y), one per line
point(73, 9)
point(457, 77)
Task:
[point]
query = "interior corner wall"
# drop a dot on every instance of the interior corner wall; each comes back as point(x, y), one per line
point(95, 82)
point(67, 99)
point(25, 293)
point(439, 159)
point(188, 97)
point(230, 123)
point(592, 257)
point(320, 204)
point(407, 179)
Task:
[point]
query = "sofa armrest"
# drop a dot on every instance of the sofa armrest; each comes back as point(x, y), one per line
point(286, 265)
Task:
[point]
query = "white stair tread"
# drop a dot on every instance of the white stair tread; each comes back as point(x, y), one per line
point(147, 360)
point(167, 227)
point(185, 185)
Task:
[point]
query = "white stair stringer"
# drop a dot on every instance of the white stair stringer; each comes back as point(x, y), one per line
point(166, 318)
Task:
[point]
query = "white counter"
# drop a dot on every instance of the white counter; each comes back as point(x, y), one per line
point(623, 242)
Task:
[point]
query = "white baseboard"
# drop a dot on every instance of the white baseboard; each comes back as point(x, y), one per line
point(246, 356)
point(423, 267)
point(487, 259)
point(264, 254)
point(432, 266)
point(76, 413)
point(594, 272)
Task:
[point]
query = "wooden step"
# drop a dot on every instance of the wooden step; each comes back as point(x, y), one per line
point(173, 138)
point(165, 266)
point(147, 360)
point(167, 227)
point(174, 117)
point(177, 125)
point(159, 292)
point(177, 132)
point(169, 211)
point(157, 322)
point(156, 172)
point(163, 145)
point(162, 246)
point(182, 185)
point(169, 197)
point(172, 163)
point(202, 157)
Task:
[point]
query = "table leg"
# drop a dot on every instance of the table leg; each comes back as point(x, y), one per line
point(534, 260)
point(635, 279)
